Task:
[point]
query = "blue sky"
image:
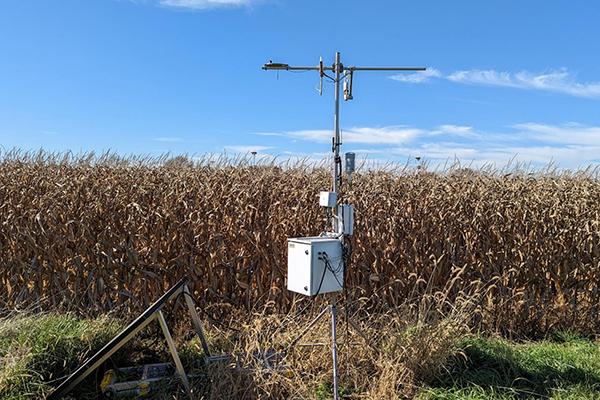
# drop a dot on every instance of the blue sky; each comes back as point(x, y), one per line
point(507, 80)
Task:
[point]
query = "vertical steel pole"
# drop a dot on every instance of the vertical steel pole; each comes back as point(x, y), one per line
point(334, 348)
point(336, 155)
point(336, 134)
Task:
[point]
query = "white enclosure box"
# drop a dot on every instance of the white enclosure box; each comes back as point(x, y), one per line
point(327, 199)
point(315, 265)
point(346, 215)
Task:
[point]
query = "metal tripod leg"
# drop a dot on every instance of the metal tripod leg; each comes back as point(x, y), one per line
point(174, 354)
point(333, 309)
point(196, 320)
point(361, 334)
point(312, 323)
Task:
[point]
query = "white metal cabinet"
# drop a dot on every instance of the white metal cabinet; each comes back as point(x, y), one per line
point(308, 272)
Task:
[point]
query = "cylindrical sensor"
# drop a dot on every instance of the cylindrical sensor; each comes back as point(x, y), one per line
point(350, 162)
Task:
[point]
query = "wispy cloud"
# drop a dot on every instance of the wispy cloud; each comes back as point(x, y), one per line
point(568, 145)
point(269, 133)
point(168, 139)
point(570, 156)
point(246, 148)
point(456, 130)
point(205, 4)
point(554, 81)
point(369, 151)
point(559, 81)
point(437, 151)
point(418, 77)
point(365, 135)
point(562, 134)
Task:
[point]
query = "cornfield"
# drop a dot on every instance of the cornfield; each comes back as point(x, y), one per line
point(91, 234)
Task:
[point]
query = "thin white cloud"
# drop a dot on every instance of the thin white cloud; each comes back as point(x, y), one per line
point(368, 151)
point(168, 139)
point(417, 77)
point(205, 4)
point(320, 136)
point(437, 151)
point(562, 134)
point(568, 146)
point(563, 156)
point(247, 149)
point(456, 130)
point(365, 135)
point(558, 81)
point(269, 134)
point(483, 77)
point(554, 81)
point(383, 135)
point(570, 155)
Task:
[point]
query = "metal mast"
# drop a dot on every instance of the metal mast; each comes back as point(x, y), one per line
point(337, 170)
point(331, 201)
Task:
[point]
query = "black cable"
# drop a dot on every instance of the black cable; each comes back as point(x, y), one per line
point(324, 271)
point(338, 166)
point(334, 272)
point(346, 254)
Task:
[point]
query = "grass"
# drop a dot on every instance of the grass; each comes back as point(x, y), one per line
point(35, 350)
point(566, 367)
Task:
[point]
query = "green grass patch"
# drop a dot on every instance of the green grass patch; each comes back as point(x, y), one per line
point(565, 368)
point(36, 350)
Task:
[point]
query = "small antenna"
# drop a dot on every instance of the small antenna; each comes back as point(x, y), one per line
point(348, 86)
point(321, 73)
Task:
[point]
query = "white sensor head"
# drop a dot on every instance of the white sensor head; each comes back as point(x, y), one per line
point(327, 199)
